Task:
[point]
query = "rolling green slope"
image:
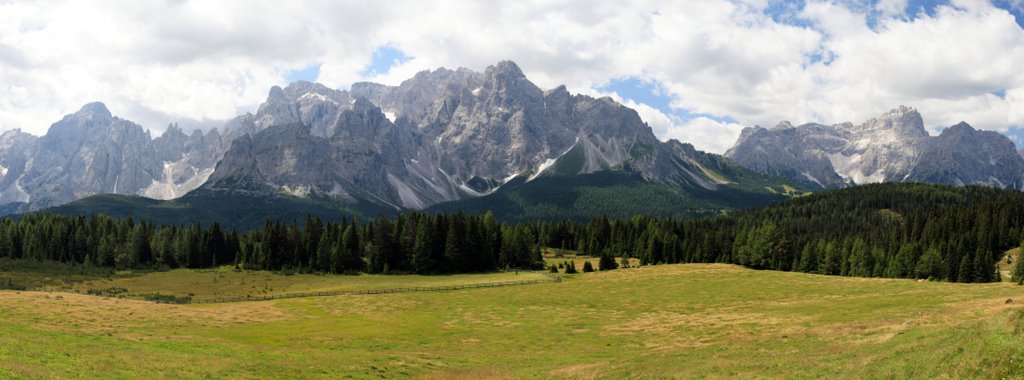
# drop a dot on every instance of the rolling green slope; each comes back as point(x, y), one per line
point(232, 210)
point(614, 194)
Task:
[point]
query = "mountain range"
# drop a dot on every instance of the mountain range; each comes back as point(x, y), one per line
point(437, 139)
point(894, 147)
point(448, 140)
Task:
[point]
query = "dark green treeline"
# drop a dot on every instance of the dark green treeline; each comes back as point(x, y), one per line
point(885, 230)
point(410, 243)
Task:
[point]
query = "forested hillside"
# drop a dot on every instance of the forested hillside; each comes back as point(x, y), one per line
point(885, 230)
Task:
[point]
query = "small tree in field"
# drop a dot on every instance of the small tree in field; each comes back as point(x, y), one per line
point(587, 268)
point(570, 267)
point(607, 262)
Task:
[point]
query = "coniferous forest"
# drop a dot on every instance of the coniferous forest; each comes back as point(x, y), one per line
point(885, 230)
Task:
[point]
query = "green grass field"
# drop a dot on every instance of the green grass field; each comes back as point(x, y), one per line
point(679, 321)
point(579, 260)
point(226, 282)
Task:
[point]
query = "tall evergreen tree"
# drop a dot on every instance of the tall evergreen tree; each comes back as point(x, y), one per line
point(422, 251)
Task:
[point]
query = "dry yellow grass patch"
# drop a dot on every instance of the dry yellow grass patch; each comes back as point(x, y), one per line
point(472, 374)
point(579, 371)
point(78, 312)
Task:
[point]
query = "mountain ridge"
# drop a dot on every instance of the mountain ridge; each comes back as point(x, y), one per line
point(446, 136)
point(893, 147)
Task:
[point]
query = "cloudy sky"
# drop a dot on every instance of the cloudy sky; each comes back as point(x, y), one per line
point(697, 71)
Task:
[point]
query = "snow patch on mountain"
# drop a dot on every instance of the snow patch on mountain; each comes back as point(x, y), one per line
point(316, 97)
point(167, 188)
point(551, 161)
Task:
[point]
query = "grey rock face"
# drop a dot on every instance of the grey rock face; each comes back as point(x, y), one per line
point(962, 155)
point(442, 135)
point(446, 135)
point(800, 154)
point(893, 147)
point(16, 149)
point(92, 152)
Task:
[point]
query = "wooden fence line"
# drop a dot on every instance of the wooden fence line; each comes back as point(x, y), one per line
point(551, 277)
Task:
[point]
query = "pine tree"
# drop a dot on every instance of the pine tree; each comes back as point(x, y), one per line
point(349, 255)
point(216, 245)
point(808, 260)
point(455, 244)
point(422, 255)
point(966, 272)
point(860, 259)
point(930, 265)
point(570, 267)
point(587, 267)
point(983, 266)
point(386, 244)
point(607, 261)
point(323, 254)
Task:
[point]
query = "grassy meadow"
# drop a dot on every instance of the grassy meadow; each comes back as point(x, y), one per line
point(227, 282)
point(680, 321)
point(1006, 265)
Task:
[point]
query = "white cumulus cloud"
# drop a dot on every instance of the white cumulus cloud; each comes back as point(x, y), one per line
point(753, 61)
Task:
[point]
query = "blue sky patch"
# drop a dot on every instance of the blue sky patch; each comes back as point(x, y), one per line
point(1016, 10)
point(384, 58)
point(787, 11)
point(653, 95)
point(1016, 134)
point(308, 73)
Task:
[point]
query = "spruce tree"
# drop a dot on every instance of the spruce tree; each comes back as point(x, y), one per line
point(1018, 269)
point(966, 272)
point(375, 261)
point(350, 257)
point(455, 244)
point(570, 267)
point(422, 255)
point(323, 254)
point(930, 265)
point(607, 261)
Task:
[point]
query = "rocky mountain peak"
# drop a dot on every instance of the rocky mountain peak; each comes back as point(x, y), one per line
point(961, 127)
point(893, 147)
point(173, 130)
point(94, 110)
point(12, 134)
point(902, 120)
point(276, 110)
point(276, 93)
point(507, 69)
point(508, 79)
point(785, 124)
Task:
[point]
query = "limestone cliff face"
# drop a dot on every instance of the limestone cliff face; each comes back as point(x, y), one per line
point(445, 135)
point(893, 147)
point(93, 152)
